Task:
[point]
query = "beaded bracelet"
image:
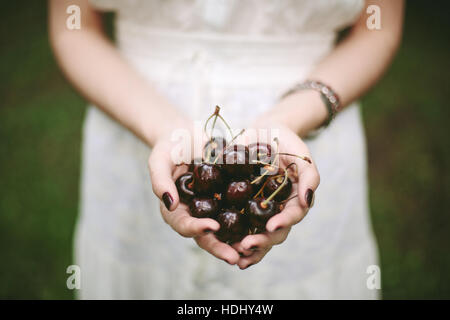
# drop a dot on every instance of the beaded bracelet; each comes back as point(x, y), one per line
point(329, 97)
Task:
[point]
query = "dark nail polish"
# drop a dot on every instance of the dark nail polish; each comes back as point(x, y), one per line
point(279, 228)
point(309, 197)
point(254, 248)
point(207, 231)
point(167, 199)
point(241, 254)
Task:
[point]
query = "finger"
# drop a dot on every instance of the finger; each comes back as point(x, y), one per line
point(264, 240)
point(160, 165)
point(292, 214)
point(244, 263)
point(308, 181)
point(187, 226)
point(241, 250)
point(218, 248)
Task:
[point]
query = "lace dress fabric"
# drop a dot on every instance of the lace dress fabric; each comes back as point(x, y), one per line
point(240, 55)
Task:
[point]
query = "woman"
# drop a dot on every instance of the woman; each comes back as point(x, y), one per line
point(173, 62)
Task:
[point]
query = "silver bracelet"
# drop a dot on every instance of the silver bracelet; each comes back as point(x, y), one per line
point(329, 97)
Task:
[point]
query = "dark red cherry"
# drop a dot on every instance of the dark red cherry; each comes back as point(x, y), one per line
point(185, 187)
point(233, 226)
point(204, 207)
point(236, 161)
point(273, 184)
point(238, 193)
point(214, 147)
point(259, 212)
point(208, 179)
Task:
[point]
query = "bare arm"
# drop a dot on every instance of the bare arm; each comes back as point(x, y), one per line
point(96, 69)
point(353, 67)
point(350, 69)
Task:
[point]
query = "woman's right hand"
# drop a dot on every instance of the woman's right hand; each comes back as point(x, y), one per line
point(163, 171)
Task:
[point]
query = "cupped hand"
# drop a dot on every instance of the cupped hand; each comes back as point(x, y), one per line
point(163, 172)
point(253, 248)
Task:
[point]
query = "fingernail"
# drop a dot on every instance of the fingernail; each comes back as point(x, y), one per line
point(309, 197)
point(167, 199)
point(279, 228)
point(254, 248)
point(241, 254)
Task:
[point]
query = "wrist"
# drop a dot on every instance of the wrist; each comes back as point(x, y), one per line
point(154, 132)
point(302, 112)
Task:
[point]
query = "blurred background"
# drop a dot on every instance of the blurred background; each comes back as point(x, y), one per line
point(407, 123)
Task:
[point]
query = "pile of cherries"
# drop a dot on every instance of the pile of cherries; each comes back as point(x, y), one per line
point(237, 185)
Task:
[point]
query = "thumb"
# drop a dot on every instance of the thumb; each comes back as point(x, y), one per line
point(161, 166)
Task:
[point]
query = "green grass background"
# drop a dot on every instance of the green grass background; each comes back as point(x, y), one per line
point(407, 121)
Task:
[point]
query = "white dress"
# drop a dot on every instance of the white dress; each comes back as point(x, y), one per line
point(241, 55)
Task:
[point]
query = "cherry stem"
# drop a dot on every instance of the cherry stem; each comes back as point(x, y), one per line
point(288, 199)
point(228, 145)
point(262, 187)
point(307, 159)
point(286, 176)
point(264, 174)
point(260, 190)
point(226, 124)
point(205, 129)
point(296, 169)
point(213, 126)
point(215, 114)
point(292, 164)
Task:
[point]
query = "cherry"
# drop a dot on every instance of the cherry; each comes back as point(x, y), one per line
point(233, 226)
point(274, 183)
point(184, 185)
point(259, 211)
point(208, 179)
point(214, 147)
point(236, 161)
point(204, 207)
point(238, 192)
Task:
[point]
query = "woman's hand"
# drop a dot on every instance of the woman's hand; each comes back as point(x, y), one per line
point(254, 247)
point(163, 172)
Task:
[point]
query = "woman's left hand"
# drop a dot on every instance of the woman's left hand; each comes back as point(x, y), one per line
point(254, 247)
